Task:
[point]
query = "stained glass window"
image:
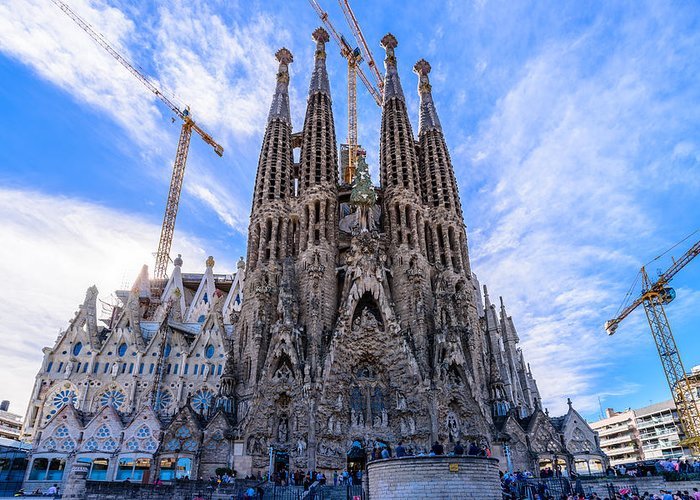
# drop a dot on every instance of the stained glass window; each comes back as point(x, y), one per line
point(209, 353)
point(183, 432)
point(190, 445)
point(90, 444)
point(62, 432)
point(103, 432)
point(76, 348)
point(64, 397)
point(113, 397)
point(202, 399)
point(110, 445)
point(122, 349)
point(163, 400)
point(143, 432)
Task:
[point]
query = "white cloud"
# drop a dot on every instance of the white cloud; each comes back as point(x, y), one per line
point(53, 249)
point(39, 35)
point(566, 162)
point(224, 70)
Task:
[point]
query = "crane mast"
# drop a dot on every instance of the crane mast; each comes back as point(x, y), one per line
point(354, 58)
point(188, 125)
point(653, 298)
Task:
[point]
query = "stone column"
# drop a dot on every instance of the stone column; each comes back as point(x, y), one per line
point(75, 486)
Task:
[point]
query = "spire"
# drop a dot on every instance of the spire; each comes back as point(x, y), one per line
point(428, 118)
point(439, 185)
point(274, 179)
point(398, 162)
point(491, 316)
point(319, 78)
point(509, 332)
point(280, 102)
point(392, 83)
point(319, 157)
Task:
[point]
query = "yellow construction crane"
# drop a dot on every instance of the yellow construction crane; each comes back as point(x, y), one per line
point(188, 125)
point(653, 297)
point(354, 58)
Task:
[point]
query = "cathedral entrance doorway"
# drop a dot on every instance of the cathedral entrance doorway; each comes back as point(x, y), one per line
point(281, 466)
point(357, 460)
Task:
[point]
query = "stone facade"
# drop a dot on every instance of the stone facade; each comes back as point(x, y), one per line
point(356, 318)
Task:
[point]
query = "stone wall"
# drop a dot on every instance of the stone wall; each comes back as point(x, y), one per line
point(185, 490)
point(446, 477)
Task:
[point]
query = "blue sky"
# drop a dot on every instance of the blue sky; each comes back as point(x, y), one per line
point(573, 129)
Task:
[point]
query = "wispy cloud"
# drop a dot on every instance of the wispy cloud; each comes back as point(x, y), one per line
point(564, 164)
point(39, 35)
point(53, 249)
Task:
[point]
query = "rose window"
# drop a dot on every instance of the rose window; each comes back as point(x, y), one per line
point(114, 398)
point(202, 399)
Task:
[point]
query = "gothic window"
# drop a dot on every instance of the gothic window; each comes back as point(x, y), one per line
point(356, 400)
point(150, 445)
point(103, 432)
point(166, 351)
point(77, 348)
point(110, 445)
point(143, 432)
point(132, 445)
point(50, 444)
point(114, 398)
point(122, 349)
point(68, 445)
point(202, 399)
point(90, 444)
point(377, 402)
point(190, 445)
point(64, 397)
point(62, 432)
point(183, 432)
point(172, 445)
point(209, 353)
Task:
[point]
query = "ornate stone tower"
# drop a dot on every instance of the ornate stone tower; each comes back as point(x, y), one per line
point(360, 322)
point(318, 212)
point(269, 230)
point(404, 214)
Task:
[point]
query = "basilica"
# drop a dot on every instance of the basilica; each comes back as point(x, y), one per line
point(355, 321)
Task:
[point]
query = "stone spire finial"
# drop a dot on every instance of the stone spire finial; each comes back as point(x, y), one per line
point(210, 261)
point(178, 260)
point(284, 56)
point(280, 102)
point(428, 118)
point(392, 84)
point(319, 78)
point(320, 36)
point(241, 263)
point(568, 402)
point(389, 43)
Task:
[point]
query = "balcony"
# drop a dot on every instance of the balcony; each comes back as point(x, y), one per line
point(612, 452)
point(608, 431)
point(645, 424)
point(617, 440)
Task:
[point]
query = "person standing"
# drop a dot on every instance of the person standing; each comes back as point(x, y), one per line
point(400, 450)
point(458, 449)
point(335, 478)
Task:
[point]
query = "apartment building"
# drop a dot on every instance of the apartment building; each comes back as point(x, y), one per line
point(619, 438)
